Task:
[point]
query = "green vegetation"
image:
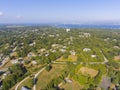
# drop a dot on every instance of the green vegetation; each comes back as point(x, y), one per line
point(83, 56)
point(17, 73)
point(49, 67)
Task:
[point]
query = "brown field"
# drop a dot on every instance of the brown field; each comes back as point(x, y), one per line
point(72, 86)
point(13, 54)
point(88, 71)
point(45, 77)
point(117, 58)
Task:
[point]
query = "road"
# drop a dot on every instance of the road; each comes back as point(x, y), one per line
point(34, 86)
point(105, 59)
point(54, 62)
point(16, 88)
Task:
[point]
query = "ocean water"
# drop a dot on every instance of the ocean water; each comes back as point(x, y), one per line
point(88, 26)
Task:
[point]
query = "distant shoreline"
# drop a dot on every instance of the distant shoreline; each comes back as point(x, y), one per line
point(95, 26)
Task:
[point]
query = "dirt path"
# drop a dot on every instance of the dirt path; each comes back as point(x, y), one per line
point(16, 88)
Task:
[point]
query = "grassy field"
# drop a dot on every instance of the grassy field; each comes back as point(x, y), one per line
point(45, 77)
point(72, 86)
point(71, 58)
point(88, 71)
point(27, 83)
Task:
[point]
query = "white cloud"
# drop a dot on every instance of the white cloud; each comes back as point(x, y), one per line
point(1, 13)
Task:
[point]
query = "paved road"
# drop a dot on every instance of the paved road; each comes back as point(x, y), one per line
point(35, 77)
point(54, 62)
point(105, 59)
point(34, 87)
point(16, 88)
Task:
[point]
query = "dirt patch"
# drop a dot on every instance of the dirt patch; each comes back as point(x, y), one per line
point(72, 86)
point(117, 58)
point(14, 54)
point(72, 58)
point(88, 71)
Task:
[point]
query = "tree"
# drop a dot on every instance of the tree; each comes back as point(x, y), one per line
point(49, 67)
point(17, 72)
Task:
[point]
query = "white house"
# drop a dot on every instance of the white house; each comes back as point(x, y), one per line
point(34, 62)
point(31, 44)
point(87, 34)
point(86, 49)
point(72, 52)
point(63, 50)
point(68, 80)
point(31, 54)
point(93, 56)
point(67, 30)
point(14, 61)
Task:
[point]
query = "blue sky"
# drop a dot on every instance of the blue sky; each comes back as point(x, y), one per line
point(62, 11)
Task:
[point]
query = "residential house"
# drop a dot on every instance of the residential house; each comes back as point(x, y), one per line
point(25, 88)
point(86, 49)
point(68, 29)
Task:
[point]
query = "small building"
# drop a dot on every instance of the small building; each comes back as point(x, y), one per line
point(34, 62)
point(53, 51)
point(86, 49)
point(113, 87)
point(31, 44)
point(106, 39)
point(68, 29)
point(6, 74)
point(31, 54)
point(87, 34)
point(116, 47)
point(93, 56)
point(21, 61)
point(56, 46)
point(51, 35)
point(68, 80)
point(64, 47)
point(25, 88)
point(14, 49)
point(114, 40)
point(14, 61)
point(42, 50)
point(72, 52)
point(47, 54)
point(63, 50)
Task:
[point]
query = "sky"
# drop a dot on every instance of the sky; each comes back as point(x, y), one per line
point(59, 11)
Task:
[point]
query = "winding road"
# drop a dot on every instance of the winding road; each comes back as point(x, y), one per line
point(34, 87)
point(35, 77)
point(16, 88)
point(54, 62)
point(105, 59)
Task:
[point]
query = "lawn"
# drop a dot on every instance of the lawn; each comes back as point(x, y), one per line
point(88, 71)
point(72, 86)
point(45, 77)
point(71, 58)
point(28, 83)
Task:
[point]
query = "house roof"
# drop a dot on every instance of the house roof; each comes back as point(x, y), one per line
point(25, 88)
